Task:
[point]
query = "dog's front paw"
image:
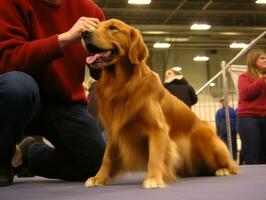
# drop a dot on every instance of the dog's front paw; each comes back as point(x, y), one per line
point(222, 172)
point(93, 182)
point(152, 183)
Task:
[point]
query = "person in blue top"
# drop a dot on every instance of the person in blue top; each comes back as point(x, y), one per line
point(221, 126)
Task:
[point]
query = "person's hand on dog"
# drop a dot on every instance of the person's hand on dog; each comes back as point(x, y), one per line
point(74, 33)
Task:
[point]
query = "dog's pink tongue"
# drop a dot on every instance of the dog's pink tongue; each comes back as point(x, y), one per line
point(102, 55)
point(91, 59)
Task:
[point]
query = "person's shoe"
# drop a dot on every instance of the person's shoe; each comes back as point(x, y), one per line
point(17, 158)
point(20, 158)
point(24, 146)
point(6, 175)
point(23, 171)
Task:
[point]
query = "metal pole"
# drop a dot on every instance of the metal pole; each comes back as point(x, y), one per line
point(226, 108)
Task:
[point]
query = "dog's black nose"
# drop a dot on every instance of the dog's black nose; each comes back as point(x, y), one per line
point(86, 34)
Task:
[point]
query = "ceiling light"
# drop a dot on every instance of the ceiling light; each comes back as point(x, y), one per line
point(229, 33)
point(201, 58)
point(261, 1)
point(161, 45)
point(154, 32)
point(200, 27)
point(178, 39)
point(236, 45)
point(139, 1)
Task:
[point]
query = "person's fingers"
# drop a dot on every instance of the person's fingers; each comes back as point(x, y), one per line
point(95, 20)
point(91, 21)
point(85, 26)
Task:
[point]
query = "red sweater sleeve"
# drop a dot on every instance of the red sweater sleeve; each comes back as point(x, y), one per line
point(250, 88)
point(18, 50)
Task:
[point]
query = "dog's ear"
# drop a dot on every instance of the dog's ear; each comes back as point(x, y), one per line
point(138, 50)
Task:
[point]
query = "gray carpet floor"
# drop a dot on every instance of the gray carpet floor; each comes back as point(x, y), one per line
point(250, 184)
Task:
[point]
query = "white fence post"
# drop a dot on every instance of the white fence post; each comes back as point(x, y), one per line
point(226, 107)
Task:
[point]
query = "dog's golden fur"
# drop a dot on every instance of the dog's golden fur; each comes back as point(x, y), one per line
point(147, 127)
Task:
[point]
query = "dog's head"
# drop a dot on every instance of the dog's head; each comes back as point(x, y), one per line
point(112, 41)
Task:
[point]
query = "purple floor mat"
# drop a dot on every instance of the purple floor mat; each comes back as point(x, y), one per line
point(250, 184)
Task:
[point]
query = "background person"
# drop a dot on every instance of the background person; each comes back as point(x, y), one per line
point(252, 108)
point(220, 122)
point(177, 85)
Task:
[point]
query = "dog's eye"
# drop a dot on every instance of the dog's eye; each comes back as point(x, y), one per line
point(112, 27)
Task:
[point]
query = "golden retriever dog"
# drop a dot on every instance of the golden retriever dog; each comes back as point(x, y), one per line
point(148, 128)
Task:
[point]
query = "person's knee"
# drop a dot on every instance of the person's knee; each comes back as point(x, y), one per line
point(19, 88)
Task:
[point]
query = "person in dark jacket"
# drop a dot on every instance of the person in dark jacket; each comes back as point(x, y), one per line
point(177, 85)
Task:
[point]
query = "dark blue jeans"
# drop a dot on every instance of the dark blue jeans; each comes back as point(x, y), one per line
point(78, 142)
point(252, 132)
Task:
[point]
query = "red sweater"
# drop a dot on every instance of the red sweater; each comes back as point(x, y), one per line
point(252, 96)
point(29, 42)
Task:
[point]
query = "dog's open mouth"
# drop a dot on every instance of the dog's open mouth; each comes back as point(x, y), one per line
point(96, 56)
